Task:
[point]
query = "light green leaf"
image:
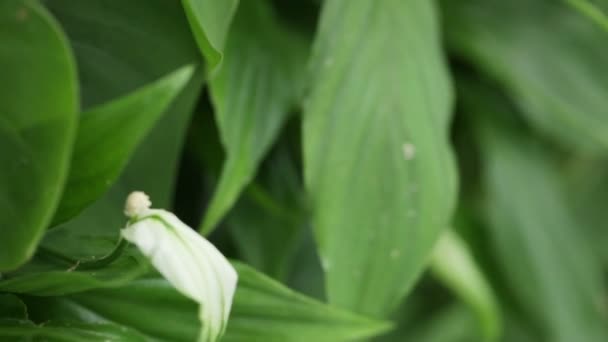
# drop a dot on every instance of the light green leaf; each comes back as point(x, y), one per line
point(39, 102)
point(549, 59)
point(210, 21)
point(592, 11)
point(252, 95)
point(453, 264)
point(545, 260)
point(263, 310)
point(378, 163)
point(108, 135)
point(22, 330)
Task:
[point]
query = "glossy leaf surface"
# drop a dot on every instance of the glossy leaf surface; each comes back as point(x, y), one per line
point(109, 134)
point(377, 161)
point(39, 104)
point(210, 23)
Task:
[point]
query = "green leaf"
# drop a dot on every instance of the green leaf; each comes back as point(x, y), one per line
point(545, 260)
point(151, 169)
point(45, 276)
point(37, 125)
point(549, 59)
point(587, 181)
point(263, 310)
point(12, 307)
point(20, 330)
point(252, 95)
point(453, 264)
point(592, 11)
point(269, 220)
point(210, 21)
point(452, 324)
point(97, 160)
point(378, 163)
point(115, 65)
point(121, 46)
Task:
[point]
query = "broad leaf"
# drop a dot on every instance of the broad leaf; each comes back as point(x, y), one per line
point(39, 102)
point(378, 164)
point(549, 59)
point(263, 310)
point(252, 95)
point(210, 22)
point(453, 264)
point(98, 159)
point(123, 46)
point(151, 168)
point(546, 261)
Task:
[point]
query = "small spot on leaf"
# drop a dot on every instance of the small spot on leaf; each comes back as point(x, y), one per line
point(409, 151)
point(22, 14)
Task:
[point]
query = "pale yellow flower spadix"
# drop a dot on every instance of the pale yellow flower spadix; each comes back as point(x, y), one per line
point(186, 259)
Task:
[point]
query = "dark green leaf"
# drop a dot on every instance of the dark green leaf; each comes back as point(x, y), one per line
point(39, 102)
point(252, 95)
point(18, 330)
point(109, 134)
point(210, 22)
point(121, 45)
point(547, 263)
point(12, 307)
point(151, 169)
point(113, 41)
point(263, 310)
point(452, 324)
point(45, 276)
point(269, 219)
point(549, 59)
point(377, 160)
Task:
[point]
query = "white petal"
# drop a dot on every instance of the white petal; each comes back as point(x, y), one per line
point(190, 263)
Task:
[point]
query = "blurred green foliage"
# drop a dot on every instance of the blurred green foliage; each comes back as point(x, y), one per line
point(336, 150)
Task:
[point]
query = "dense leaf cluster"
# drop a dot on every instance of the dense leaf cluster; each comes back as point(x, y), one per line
point(335, 150)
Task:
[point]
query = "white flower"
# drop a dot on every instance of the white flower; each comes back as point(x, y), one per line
point(187, 260)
